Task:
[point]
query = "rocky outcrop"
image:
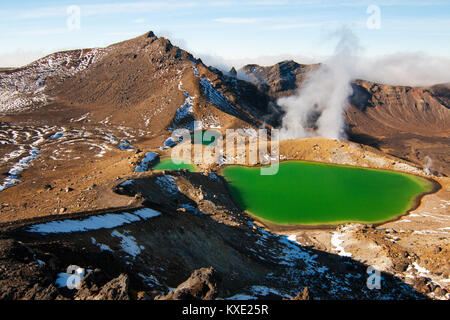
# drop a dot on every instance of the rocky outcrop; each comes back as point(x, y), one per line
point(116, 289)
point(279, 80)
point(303, 295)
point(95, 286)
point(22, 276)
point(201, 285)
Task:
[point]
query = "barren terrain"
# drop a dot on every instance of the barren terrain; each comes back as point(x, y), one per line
point(74, 126)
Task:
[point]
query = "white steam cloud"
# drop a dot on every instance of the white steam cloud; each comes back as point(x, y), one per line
point(428, 165)
point(405, 69)
point(317, 109)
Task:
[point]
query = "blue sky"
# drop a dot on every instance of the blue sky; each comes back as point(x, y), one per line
point(230, 29)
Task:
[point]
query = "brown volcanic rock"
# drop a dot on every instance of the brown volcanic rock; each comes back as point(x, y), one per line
point(142, 82)
point(135, 80)
point(385, 109)
point(303, 295)
point(410, 123)
point(21, 276)
point(279, 80)
point(116, 289)
point(442, 93)
point(201, 285)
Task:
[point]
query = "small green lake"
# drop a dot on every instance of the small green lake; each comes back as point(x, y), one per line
point(204, 140)
point(307, 193)
point(168, 164)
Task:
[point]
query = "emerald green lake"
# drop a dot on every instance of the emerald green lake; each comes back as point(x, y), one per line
point(313, 193)
point(168, 164)
point(204, 141)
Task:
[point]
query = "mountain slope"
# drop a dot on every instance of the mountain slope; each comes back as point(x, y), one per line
point(411, 123)
point(142, 82)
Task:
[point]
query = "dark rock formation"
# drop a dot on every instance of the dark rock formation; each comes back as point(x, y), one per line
point(201, 285)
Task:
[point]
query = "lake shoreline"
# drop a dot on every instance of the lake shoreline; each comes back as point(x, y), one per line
point(278, 227)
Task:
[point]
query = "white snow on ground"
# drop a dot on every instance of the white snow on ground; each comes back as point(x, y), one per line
point(100, 139)
point(195, 71)
point(15, 172)
point(57, 135)
point(184, 113)
point(106, 221)
point(126, 183)
point(103, 247)
point(128, 243)
point(83, 117)
point(288, 253)
point(213, 176)
point(217, 98)
point(170, 142)
point(211, 121)
point(167, 184)
point(337, 242)
point(12, 155)
point(186, 109)
point(40, 262)
point(422, 271)
point(23, 88)
point(125, 145)
point(150, 280)
point(415, 269)
point(265, 291)
point(145, 163)
point(425, 232)
point(29, 142)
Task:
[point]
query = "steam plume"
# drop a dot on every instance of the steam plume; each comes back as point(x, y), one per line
point(428, 165)
point(321, 103)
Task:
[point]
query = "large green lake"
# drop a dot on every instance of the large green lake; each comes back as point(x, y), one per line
point(314, 193)
point(168, 164)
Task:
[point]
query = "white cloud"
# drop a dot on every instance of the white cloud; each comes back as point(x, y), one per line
point(19, 58)
point(405, 68)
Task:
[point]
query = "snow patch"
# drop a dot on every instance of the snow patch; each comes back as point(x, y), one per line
point(128, 243)
point(337, 242)
point(106, 221)
point(167, 184)
point(149, 158)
